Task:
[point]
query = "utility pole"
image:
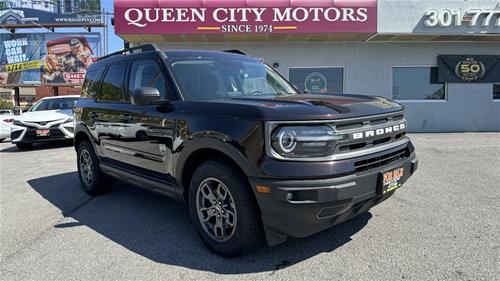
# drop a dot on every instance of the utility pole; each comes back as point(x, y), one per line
point(105, 33)
point(17, 99)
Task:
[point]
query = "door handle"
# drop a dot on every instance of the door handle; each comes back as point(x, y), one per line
point(93, 115)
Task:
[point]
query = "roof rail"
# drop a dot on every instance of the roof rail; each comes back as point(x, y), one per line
point(143, 48)
point(236, 52)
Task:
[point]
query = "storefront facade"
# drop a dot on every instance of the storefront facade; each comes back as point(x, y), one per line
point(399, 49)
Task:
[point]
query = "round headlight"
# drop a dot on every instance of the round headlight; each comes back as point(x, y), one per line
point(287, 140)
point(304, 141)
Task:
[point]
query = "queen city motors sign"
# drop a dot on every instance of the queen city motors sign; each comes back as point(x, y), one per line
point(250, 16)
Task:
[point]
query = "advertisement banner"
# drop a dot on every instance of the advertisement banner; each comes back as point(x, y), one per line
point(21, 13)
point(469, 68)
point(245, 16)
point(13, 67)
point(47, 58)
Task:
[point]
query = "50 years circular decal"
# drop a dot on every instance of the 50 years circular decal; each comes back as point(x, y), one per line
point(470, 70)
point(316, 83)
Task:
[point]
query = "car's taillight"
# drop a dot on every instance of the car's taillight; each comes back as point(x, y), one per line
point(8, 120)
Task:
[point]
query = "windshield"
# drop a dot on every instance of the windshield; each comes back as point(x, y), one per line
point(54, 104)
point(215, 78)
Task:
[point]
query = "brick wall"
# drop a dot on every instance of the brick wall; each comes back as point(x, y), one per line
point(42, 92)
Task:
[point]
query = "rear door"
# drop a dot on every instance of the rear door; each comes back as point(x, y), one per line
point(145, 138)
point(108, 110)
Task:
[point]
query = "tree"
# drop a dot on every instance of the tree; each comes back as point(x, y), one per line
point(6, 104)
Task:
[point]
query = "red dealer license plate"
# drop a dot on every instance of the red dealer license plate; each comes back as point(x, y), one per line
point(391, 180)
point(42, 133)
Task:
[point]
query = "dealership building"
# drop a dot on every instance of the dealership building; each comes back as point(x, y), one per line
point(441, 59)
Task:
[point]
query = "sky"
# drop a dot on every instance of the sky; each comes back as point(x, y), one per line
point(115, 42)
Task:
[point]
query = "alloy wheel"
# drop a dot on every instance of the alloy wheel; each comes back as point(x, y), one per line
point(216, 209)
point(86, 168)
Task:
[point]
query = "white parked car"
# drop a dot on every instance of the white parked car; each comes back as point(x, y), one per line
point(6, 119)
point(49, 119)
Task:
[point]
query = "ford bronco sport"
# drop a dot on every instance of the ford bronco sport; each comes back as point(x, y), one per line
point(226, 134)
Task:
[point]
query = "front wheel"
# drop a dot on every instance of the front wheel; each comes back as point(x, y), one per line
point(93, 181)
point(223, 209)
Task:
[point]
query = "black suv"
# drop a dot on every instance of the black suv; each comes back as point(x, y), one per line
point(226, 134)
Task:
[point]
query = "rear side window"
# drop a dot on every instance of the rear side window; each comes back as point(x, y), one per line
point(147, 73)
point(91, 83)
point(111, 89)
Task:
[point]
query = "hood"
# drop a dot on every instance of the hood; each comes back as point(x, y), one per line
point(46, 115)
point(296, 107)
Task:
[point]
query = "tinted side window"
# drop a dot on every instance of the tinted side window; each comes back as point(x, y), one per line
point(111, 89)
point(92, 80)
point(95, 86)
point(147, 73)
point(89, 79)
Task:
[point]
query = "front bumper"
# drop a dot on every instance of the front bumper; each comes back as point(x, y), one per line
point(4, 132)
point(28, 134)
point(299, 208)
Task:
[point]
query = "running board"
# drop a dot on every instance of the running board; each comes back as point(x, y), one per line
point(161, 187)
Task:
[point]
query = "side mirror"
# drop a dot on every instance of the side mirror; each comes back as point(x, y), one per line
point(145, 96)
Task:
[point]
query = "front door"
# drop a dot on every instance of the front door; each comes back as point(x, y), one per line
point(145, 134)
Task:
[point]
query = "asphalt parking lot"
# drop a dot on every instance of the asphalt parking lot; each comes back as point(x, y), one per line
point(442, 225)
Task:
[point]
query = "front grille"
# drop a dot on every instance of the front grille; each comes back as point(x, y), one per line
point(31, 127)
point(363, 125)
point(43, 123)
point(375, 162)
point(54, 134)
point(365, 144)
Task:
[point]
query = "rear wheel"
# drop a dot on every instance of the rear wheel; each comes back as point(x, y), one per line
point(93, 181)
point(223, 209)
point(24, 145)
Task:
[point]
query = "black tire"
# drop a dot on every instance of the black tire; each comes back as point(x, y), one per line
point(141, 135)
point(96, 183)
point(247, 231)
point(1, 140)
point(24, 145)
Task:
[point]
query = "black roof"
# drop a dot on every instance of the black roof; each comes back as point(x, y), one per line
point(177, 54)
point(149, 50)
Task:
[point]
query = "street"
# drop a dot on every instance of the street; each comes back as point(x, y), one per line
point(443, 224)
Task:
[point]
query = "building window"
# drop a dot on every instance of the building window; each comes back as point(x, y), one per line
point(417, 83)
point(496, 91)
point(317, 80)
